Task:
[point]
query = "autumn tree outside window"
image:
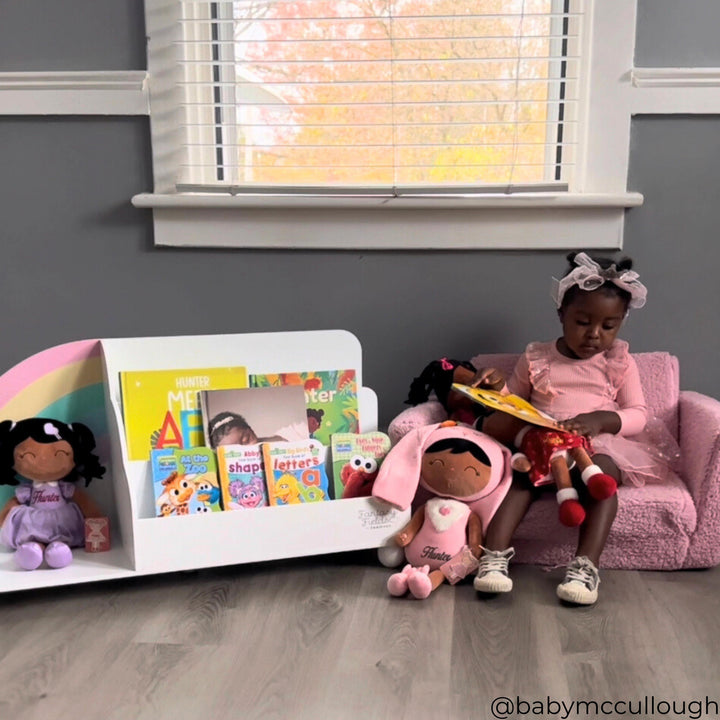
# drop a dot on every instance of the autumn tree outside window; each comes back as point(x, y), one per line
point(396, 96)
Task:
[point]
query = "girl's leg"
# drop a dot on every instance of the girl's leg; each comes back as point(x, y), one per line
point(580, 585)
point(508, 516)
point(600, 515)
point(492, 575)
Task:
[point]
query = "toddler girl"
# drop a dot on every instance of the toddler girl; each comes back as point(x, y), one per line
point(588, 380)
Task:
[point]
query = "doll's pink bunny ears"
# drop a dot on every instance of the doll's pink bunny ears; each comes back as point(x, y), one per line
point(588, 276)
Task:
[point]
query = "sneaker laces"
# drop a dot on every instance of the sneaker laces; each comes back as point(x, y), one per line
point(582, 570)
point(495, 561)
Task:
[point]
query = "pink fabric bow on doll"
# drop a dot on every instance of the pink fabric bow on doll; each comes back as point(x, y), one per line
point(460, 476)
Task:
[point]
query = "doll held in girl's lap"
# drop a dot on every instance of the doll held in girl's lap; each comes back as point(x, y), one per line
point(46, 517)
point(587, 380)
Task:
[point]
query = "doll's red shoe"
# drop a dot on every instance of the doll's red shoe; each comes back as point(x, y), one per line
point(570, 512)
point(419, 583)
point(599, 485)
point(397, 583)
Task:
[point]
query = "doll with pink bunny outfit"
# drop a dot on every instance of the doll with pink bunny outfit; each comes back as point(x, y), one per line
point(460, 476)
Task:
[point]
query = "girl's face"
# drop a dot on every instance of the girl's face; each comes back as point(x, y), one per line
point(44, 462)
point(590, 324)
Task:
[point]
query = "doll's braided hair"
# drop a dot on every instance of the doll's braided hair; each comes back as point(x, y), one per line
point(437, 377)
point(45, 430)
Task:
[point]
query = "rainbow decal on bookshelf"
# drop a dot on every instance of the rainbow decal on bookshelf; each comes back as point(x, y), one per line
point(64, 382)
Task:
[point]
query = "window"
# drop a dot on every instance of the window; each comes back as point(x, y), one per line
point(381, 94)
point(488, 106)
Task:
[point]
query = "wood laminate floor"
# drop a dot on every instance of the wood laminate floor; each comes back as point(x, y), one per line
point(320, 638)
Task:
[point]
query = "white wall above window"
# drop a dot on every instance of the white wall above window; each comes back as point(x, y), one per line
point(589, 213)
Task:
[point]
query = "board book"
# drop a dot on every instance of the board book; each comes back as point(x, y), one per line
point(242, 479)
point(161, 409)
point(331, 399)
point(356, 459)
point(511, 404)
point(295, 472)
point(251, 415)
point(185, 481)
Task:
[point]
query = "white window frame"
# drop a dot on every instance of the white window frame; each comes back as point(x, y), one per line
point(590, 216)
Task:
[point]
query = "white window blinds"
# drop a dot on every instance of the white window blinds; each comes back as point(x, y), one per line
point(381, 96)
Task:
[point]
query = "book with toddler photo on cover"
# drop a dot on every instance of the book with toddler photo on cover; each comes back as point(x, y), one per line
point(249, 416)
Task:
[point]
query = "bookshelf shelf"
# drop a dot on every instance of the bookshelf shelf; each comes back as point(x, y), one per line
point(144, 544)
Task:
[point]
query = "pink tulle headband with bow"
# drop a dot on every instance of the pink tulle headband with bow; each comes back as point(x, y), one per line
point(588, 276)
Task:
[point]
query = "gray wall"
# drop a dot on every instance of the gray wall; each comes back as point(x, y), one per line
point(78, 259)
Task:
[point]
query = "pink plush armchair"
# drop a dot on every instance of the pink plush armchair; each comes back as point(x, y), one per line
point(658, 527)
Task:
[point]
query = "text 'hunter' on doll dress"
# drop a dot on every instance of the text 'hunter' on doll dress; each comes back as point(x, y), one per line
point(46, 513)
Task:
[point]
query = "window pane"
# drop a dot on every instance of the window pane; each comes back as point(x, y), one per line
point(388, 92)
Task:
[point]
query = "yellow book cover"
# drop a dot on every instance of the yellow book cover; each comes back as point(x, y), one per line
point(161, 407)
point(511, 404)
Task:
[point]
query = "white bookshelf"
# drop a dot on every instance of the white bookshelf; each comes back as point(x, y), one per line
point(144, 544)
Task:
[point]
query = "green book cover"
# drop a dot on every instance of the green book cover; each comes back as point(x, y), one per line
point(331, 399)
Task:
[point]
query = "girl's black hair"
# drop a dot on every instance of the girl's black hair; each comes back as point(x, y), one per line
point(223, 423)
point(46, 430)
point(608, 287)
point(437, 377)
point(457, 446)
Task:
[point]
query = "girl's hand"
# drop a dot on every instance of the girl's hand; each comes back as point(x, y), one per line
point(488, 378)
point(593, 423)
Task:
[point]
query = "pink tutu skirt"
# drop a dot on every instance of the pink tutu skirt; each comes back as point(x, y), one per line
point(653, 456)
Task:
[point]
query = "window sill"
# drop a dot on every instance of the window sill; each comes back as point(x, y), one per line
point(494, 200)
point(546, 221)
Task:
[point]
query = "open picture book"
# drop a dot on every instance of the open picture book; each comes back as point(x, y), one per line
point(511, 404)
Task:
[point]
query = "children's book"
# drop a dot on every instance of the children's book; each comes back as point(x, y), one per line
point(242, 479)
point(185, 481)
point(511, 404)
point(330, 399)
point(295, 472)
point(160, 407)
point(356, 459)
point(252, 415)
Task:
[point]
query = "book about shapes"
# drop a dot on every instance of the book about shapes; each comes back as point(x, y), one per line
point(511, 404)
point(330, 399)
point(242, 479)
point(185, 482)
point(295, 472)
point(161, 410)
point(252, 415)
point(356, 459)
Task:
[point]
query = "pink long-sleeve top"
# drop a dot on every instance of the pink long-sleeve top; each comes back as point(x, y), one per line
point(565, 387)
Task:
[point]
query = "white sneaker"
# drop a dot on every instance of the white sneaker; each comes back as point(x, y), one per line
point(492, 574)
point(580, 585)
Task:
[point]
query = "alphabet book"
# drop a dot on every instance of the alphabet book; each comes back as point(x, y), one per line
point(161, 407)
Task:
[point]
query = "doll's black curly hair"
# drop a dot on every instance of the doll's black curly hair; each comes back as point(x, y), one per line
point(47, 430)
point(437, 377)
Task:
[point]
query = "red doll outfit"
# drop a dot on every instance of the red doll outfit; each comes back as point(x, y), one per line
point(541, 444)
point(565, 387)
